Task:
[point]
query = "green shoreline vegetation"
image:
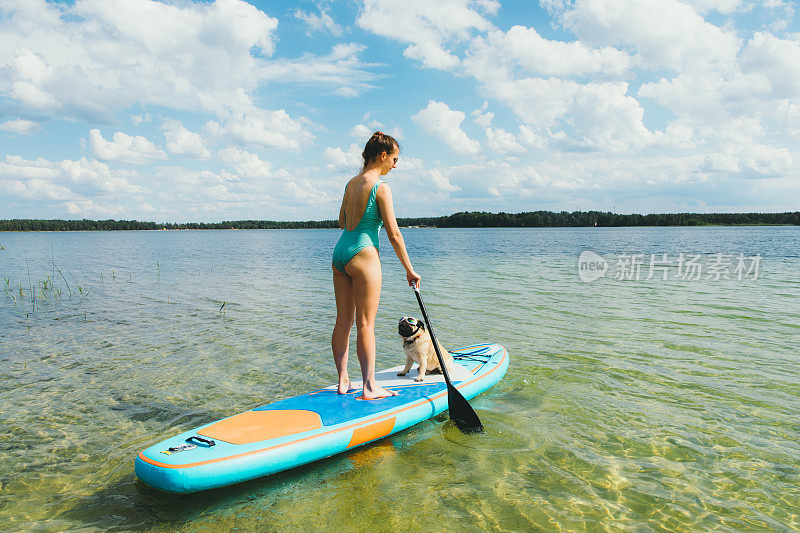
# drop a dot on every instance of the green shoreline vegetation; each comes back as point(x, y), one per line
point(473, 219)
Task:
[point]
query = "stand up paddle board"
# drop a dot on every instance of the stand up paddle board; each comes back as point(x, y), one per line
point(305, 428)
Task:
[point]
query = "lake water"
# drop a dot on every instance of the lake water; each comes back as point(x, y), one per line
point(631, 404)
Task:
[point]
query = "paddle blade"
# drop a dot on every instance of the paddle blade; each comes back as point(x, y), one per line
point(462, 413)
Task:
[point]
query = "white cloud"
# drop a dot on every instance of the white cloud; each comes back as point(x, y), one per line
point(95, 57)
point(21, 126)
point(274, 129)
point(432, 55)
point(138, 120)
point(600, 116)
point(342, 70)
point(751, 103)
point(63, 180)
point(235, 193)
point(777, 61)
point(182, 141)
point(523, 49)
point(84, 207)
point(321, 22)
point(124, 148)
point(482, 116)
point(361, 132)
point(340, 160)
point(500, 141)
point(508, 181)
point(663, 33)
point(246, 164)
point(90, 60)
point(33, 189)
point(440, 181)
point(439, 120)
point(428, 28)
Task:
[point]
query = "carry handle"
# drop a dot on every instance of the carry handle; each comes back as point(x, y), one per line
point(204, 442)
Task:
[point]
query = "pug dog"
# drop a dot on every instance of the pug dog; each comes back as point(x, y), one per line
point(418, 346)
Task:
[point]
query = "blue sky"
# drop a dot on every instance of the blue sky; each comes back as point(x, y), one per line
point(182, 111)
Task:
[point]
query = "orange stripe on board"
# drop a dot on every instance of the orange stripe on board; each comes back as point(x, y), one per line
point(146, 459)
point(372, 432)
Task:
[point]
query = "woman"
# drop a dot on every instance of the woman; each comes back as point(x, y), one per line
point(366, 205)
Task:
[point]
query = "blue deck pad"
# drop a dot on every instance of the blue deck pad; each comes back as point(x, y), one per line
point(334, 408)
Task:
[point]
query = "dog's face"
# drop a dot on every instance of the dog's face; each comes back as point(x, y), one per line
point(409, 326)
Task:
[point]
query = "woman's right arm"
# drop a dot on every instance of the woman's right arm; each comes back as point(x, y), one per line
point(384, 199)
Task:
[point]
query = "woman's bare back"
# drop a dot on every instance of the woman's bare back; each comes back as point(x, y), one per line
point(356, 196)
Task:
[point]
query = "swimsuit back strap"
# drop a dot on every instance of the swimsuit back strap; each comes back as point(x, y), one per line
point(373, 194)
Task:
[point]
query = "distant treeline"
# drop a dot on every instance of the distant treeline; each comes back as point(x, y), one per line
point(110, 225)
point(549, 219)
point(474, 219)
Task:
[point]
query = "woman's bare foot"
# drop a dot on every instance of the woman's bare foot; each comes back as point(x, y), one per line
point(344, 384)
point(375, 392)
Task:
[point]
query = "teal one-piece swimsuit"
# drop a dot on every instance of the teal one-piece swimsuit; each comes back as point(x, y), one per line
point(363, 235)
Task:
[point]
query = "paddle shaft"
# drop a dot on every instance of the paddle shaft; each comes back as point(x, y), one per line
point(461, 412)
point(433, 338)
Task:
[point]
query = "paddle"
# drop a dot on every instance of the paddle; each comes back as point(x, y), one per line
point(461, 412)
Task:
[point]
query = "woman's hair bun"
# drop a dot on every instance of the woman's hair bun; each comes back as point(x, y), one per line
point(376, 145)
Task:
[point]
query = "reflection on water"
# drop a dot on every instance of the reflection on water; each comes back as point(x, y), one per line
point(629, 405)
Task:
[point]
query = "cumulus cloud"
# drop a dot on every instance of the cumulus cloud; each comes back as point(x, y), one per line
point(246, 164)
point(95, 57)
point(663, 33)
point(86, 207)
point(444, 123)
point(360, 131)
point(20, 126)
point(341, 160)
point(182, 141)
point(600, 116)
point(63, 180)
point(231, 192)
point(776, 61)
point(274, 129)
point(500, 141)
point(522, 49)
point(483, 117)
point(750, 102)
point(428, 28)
point(124, 148)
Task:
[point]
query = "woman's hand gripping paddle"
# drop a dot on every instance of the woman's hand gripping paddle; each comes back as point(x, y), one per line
point(461, 412)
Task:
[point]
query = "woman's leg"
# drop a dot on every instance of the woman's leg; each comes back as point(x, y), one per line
point(340, 340)
point(365, 271)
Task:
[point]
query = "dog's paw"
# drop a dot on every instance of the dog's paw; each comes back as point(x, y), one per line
point(402, 373)
point(418, 379)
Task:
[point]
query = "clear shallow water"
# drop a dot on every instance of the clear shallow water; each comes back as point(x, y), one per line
point(629, 405)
